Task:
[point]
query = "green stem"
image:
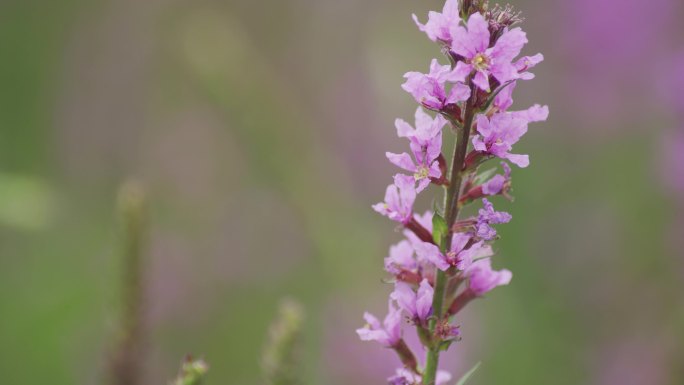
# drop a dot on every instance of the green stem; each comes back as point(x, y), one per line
point(451, 210)
point(125, 368)
point(432, 359)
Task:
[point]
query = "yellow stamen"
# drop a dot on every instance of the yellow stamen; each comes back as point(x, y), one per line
point(422, 173)
point(480, 62)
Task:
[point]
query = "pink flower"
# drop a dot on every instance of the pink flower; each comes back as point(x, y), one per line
point(498, 183)
point(399, 198)
point(426, 146)
point(388, 334)
point(473, 45)
point(424, 220)
point(404, 376)
point(418, 305)
point(498, 134)
point(488, 217)
point(504, 100)
point(400, 258)
point(461, 255)
point(483, 279)
point(525, 63)
point(431, 90)
point(439, 24)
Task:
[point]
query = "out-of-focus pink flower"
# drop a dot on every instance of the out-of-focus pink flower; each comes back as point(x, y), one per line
point(603, 45)
point(388, 333)
point(482, 279)
point(418, 305)
point(407, 377)
point(400, 258)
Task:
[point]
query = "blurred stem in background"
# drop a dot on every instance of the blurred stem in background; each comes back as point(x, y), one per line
point(191, 372)
point(279, 361)
point(125, 360)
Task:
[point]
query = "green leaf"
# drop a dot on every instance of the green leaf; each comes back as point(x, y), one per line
point(469, 374)
point(439, 228)
point(485, 175)
point(437, 207)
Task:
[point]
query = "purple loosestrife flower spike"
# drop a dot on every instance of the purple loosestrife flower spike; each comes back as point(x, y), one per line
point(389, 333)
point(473, 45)
point(426, 144)
point(399, 198)
point(442, 252)
point(431, 90)
point(482, 279)
point(487, 217)
point(497, 136)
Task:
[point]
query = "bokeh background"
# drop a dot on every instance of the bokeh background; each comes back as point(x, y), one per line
point(259, 130)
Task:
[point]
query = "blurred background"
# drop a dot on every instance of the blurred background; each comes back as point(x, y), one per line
point(259, 129)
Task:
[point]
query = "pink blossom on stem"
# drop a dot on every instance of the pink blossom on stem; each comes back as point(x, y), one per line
point(399, 198)
point(482, 279)
point(473, 45)
point(504, 99)
point(426, 145)
point(424, 220)
point(498, 134)
point(497, 184)
point(431, 90)
point(407, 377)
point(388, 333)
point(401, 258)
point(461, 255)
point(487, 217)
point(418, 305)
point(525, 63)
point(438, 25)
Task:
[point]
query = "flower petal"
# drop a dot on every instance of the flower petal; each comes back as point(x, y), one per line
point(402, 160)
point(509, 45)
point(521, 161)
point(481, 80)
point(431, 253)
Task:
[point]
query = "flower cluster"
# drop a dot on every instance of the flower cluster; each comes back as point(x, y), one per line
point(444, 261)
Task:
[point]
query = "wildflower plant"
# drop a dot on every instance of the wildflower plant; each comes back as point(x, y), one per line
point(446, 261)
